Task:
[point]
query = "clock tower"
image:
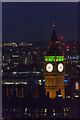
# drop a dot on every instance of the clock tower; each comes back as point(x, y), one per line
point(54, 69)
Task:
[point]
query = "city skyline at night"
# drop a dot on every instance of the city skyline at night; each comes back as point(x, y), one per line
point(40, 60)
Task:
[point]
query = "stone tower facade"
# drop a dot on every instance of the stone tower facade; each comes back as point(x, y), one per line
point(54, 69)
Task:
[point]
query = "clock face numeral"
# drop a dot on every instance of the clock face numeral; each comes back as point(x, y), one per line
point(60, 67)
point(49, 67)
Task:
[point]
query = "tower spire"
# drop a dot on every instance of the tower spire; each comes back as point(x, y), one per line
point(53, 26)
point(54, 73)
point(54, 48)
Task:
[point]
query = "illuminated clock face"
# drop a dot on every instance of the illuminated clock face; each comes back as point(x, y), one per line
point(60, 67)
point(49, 67)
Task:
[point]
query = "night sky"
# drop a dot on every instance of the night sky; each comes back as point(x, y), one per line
point(27, 21)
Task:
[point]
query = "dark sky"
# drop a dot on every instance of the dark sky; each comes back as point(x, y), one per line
point(27, 21)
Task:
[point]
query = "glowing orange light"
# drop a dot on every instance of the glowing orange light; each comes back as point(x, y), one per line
point(76, 85)
point(53, 25)
point(57, 41)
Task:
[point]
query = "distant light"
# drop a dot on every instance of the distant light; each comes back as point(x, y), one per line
point(59, 95)
point(43, 80)
point(65, 80)
point(39, 80)
point(23, 82)
point(68, 56)
point(20, 83)
point(68, 96)
point(74, 47)
point(66, 74)
point(61, 37)
point(74, 42)
point(15, 55)
point(17, 83)
point(14, 72)
point(77, 85)
point(76, 96)
point(57, 41)
point(54, 25)
point(7, 68)
point(25, 110)
point(64, 109)
point(67, 47)
point(11, 50)
point(67, 109)
point(54, 114)
point(9, 83)
point(45, 110)
point(53, 110)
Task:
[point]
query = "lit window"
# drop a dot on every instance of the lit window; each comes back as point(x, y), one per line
point(54, 114)
point(53, 110)
point(29, 114)
point(25, 110)
point(76, 85)
point(45, 110)
point(64, 109)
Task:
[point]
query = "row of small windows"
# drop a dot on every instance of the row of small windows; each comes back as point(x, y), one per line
point(45, 111)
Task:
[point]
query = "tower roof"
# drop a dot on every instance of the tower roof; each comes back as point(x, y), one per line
point(54, 36)
point(54, 48)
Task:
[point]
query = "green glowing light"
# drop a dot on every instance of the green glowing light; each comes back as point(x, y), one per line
point(53, 58)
